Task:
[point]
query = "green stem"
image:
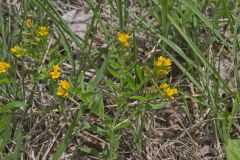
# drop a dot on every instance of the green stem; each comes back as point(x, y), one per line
point(22, 81)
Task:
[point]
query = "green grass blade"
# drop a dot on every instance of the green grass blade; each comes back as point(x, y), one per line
point(230, 19)
point(100, 73)
point(68, 137)
point(12, 105)
point(120, 14)
point(235, 108)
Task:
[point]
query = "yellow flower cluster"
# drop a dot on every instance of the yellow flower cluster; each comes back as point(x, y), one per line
point(123, 38)
point(42, 32)
point(170, 92)
point(62, 90)
point(163, 66)
point(17, 50)
point(4, 67)
point(56, 72)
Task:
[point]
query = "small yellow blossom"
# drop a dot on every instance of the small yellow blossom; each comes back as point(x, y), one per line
point(168, 62)
point(159, 61)
point(164, 86)
point(4, 67)
point(62, 92)
point(162, 66)
point(17, 50)
point(170, 92)
point(28, 23)
point(42, 32)
point(164, 62)
point(54, 74)
point(123, 38)
point(56, 68)
point(64, 84)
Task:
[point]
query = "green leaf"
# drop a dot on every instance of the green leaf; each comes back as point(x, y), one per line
point(12, 105)
point(86, 95)
point(81, 83)
point(113, 73)
point(113, 86)
point(93, 83)
point(5, 131)
point(130, 81)
point(114, 64)
point(123, 124)
point(140, 98)
point(4, 121)
point(16, 154)
point(235, 108)
point(91, 151)
point(94, 128)
point(98, 107)
point(232, 149)
point(139, 72)
point(4, 81)
point(115, 141)
point(5, 136)
point(158, 105)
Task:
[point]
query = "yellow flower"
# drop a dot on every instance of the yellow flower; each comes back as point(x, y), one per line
point(163, 66)
point(123, 38)
point(42, 31)
point(54, 74)
point(168, 62)
point(160, 61)
point(170, 92)
point(56, 68)
point(28, 23)
point(64, 84)
point(62, 92)
point(165, 62)
point(164, 86)
point(4, 67)
point(17, 50)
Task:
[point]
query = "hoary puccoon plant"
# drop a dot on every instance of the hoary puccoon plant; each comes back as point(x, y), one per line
point(138, 86)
